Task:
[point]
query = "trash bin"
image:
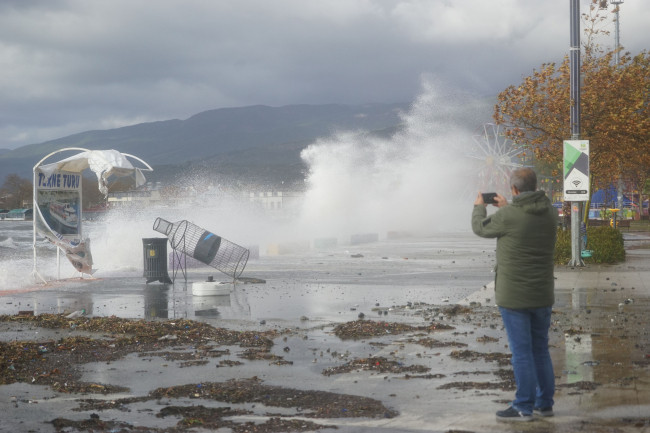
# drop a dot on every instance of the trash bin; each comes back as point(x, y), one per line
point(155, 260)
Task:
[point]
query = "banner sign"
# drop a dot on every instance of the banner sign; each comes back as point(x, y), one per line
point(58, 196)
point(576, 170)
point(59, 181)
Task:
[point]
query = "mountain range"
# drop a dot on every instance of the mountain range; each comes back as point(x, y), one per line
point(255, 144)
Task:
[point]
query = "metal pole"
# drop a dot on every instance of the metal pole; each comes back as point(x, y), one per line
point(617, 57)
point(574, 59)
point(617, 29)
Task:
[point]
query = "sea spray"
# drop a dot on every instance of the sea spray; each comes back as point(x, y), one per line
point(117, 237)
point(414, 181)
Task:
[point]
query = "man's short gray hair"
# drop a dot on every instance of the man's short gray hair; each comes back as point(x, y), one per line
point(524, 179)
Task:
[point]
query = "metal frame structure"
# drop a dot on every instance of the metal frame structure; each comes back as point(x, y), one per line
point(38, 213)
point(177, 256)
point(188, 239)
point(498, 156)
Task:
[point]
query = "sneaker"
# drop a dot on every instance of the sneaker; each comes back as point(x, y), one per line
point(512, 414)
point(543, 411)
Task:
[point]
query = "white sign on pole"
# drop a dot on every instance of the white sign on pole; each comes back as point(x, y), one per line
point(576, 170)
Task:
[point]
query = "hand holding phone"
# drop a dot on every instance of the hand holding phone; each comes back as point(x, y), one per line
point(489, 197)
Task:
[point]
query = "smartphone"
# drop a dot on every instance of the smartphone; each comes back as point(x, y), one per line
point(488, 197)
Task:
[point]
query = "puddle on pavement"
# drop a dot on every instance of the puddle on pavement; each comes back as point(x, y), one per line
point(598, 367)
point(600, 352)
point(603, 345)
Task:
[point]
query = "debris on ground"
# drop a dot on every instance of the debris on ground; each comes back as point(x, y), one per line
point(370, 328)
point(313, 404)
point(432, 342)
point(470, 355)
point(58, 361)
point(57, 364)
point(582, 385)
point(378, 364)
point(53, 362)
point(486, 339)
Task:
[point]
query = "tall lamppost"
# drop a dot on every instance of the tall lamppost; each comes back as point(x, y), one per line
point(574, 91)
point(617, 60)
point(617, 29)
point(617, 54)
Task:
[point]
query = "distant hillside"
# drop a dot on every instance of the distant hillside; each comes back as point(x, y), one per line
point(243, 137)
point(256, 144)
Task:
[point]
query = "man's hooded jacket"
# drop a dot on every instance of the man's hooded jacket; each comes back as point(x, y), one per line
point(526, 231)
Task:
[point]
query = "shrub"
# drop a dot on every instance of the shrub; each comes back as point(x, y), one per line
point(605, 242)
point(563, 247)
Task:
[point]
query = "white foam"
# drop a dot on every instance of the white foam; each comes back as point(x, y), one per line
point(8, 243)
point(413, 181)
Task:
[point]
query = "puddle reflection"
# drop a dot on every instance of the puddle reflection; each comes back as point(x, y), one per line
point(603, 345)
point(150, 301)
point(177, 301)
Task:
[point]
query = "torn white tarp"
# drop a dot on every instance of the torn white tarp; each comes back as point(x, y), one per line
point(104, 163)
point(78, 253)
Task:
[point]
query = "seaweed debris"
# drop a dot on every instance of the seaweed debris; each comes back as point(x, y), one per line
point(378, 363)
point(313, 404)
point(432, 342)
point(370, 328)
point(54, 362)
point(470, 355)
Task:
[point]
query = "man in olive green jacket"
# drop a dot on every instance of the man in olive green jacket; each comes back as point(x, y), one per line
point(524, 284)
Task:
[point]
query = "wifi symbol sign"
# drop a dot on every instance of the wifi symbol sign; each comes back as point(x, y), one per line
point(576, 183)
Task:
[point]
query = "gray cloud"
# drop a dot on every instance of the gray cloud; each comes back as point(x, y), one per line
point(72, 65)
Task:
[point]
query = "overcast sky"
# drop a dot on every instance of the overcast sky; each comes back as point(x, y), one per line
point(68, 66)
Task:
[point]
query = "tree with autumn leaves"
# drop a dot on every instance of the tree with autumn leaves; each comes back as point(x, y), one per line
point(615, 110)
point(15, 192)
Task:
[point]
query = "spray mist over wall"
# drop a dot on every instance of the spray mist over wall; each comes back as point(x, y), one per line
point(415, 181)
point(117, 238)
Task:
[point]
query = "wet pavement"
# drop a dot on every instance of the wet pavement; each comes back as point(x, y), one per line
point(442, 374)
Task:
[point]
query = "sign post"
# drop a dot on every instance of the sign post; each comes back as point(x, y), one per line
point(576, 158)
point(576, 190)
point(576, 170)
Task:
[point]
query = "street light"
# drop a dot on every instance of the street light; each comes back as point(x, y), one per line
point(617, 60)
point(574, 91)
point(617, 57)
point(617, 3)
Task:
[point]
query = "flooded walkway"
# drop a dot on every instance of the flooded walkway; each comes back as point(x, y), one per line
point(406, 324)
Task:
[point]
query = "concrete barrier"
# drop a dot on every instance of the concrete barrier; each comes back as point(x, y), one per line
point(287, 248)
point(323, 243)
point(364, 238)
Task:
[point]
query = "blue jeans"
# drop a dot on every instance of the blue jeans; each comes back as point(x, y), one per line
point(528, 338)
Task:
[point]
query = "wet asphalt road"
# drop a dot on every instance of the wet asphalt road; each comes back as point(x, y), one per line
point(598, 336)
